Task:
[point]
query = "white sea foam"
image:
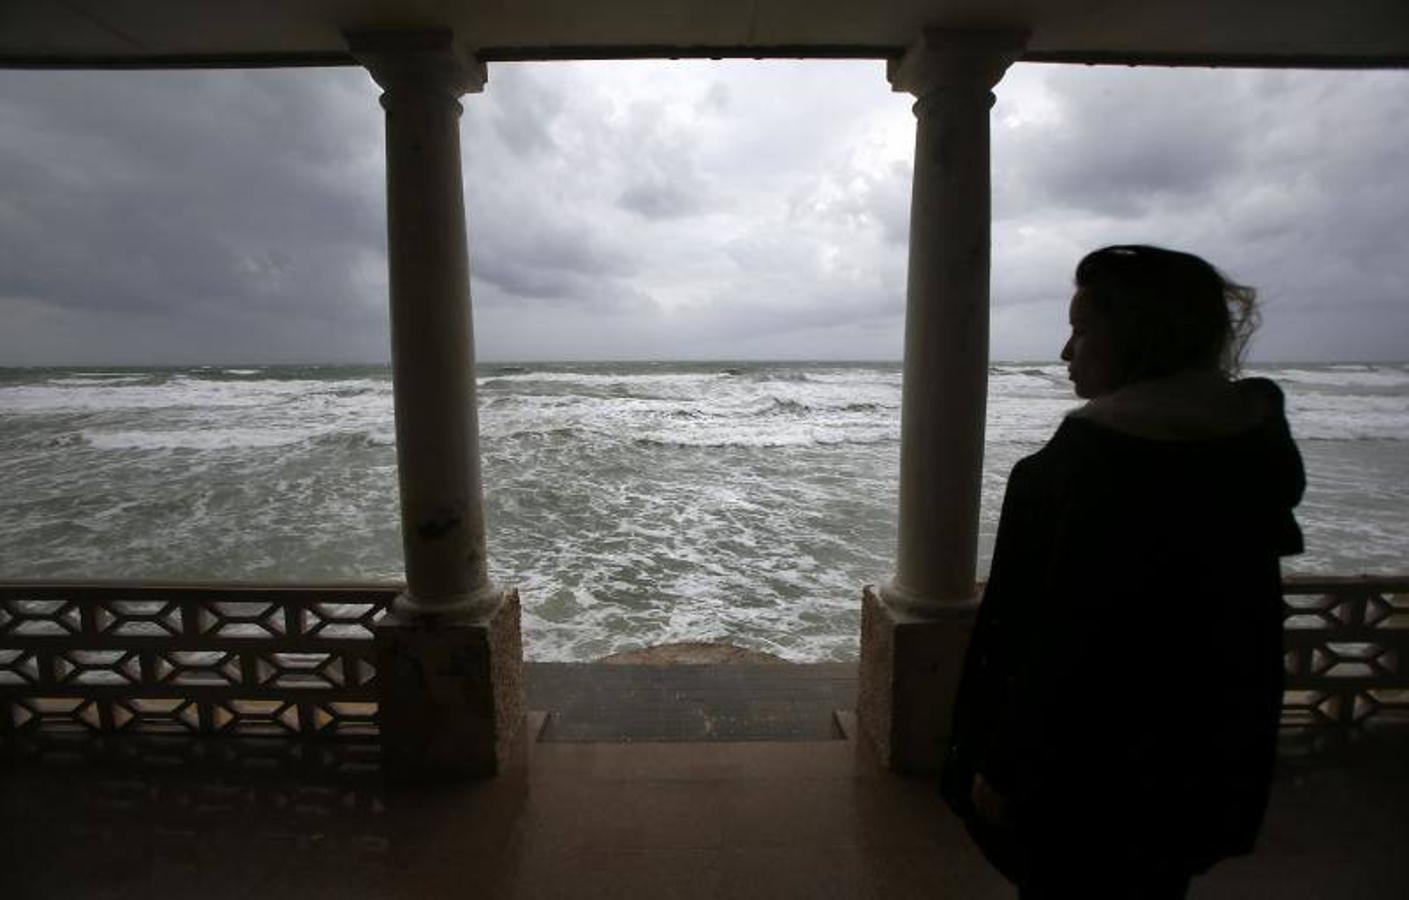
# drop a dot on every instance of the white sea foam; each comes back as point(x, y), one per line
point(784, 436)
point(1370, 418)
point(224, 439)
point(181, 392)
point(629, 504)
point(112, 377)
point(1345, 376)
point(730, 413)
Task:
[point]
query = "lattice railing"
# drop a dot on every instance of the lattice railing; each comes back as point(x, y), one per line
point(293, 661)
point(250, 662)
point(1347, 651)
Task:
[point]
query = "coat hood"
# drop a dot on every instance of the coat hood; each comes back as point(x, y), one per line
point(1186, 407)
point(1205, 408)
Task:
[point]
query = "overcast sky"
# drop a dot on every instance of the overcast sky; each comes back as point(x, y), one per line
point(677, 209)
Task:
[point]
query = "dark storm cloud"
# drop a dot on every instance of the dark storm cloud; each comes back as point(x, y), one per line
point(205, 202)
point(677, 209)
point(1296, 182)
point(1131, 143)
point(546, 259)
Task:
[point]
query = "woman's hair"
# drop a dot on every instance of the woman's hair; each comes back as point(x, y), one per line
point(1167, 311)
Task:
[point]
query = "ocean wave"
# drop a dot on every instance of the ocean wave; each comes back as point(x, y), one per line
point(790, 407)
point(602, 378)
point(175, 393)
point(58, 441)
point(1045, 370)
point(786, 377)
point(354, 440)
point(1367, 376)
point(557, 431)
point(805, 436)
point(1034, 382)
point(119, 373)
point(780, 405)
point(193, 439)
point(1326, 438)
point(724, 506)
point(362, 391)
point(1328, 416)
point(81, 379)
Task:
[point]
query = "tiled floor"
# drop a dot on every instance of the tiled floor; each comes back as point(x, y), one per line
point(641, 820)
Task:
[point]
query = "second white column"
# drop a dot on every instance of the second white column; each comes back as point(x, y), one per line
point(945, 386)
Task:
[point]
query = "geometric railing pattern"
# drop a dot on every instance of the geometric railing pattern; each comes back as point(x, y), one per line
point(1347, 651)
point(297, 661)
point(243, 661)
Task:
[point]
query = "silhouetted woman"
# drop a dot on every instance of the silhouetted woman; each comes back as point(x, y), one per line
point(1115, 725)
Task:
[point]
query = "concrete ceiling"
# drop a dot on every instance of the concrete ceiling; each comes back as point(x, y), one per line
point(155, 33)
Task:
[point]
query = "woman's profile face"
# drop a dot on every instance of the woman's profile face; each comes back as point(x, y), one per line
point(1088, 352)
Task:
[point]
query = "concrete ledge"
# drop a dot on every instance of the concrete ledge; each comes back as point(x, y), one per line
point(908, 676)
point(451, 692)
point(703, 702)
point(691, 653)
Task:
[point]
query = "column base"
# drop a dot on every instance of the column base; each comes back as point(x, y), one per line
point(450, 692)
point(909, 673)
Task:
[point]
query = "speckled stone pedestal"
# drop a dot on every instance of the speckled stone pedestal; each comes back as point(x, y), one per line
point(908, 676)
point(451, 693)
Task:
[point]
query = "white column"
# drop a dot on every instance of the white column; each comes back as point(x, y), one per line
point(945, 384)
point(423, 75)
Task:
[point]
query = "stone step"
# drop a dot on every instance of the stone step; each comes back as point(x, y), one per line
point(594, 702)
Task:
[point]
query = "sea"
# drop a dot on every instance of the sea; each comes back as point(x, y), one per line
point(631, 504)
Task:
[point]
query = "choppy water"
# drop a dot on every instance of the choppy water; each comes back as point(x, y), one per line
point(631, 503)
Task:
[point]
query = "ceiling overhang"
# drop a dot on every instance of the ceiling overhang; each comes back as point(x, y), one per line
point(223, 33)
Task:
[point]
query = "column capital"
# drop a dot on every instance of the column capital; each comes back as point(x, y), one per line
point(949, 58)
point(422, 60)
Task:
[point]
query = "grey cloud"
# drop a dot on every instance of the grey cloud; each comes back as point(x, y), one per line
point(717, 97)
point(659, 199)
point(546, 259)
point(661, 169)
point(525, 111)
point(676, 209)
point(1292, 181)
point(891, 204)
point(526, 279)
point(1128, 142)
point(862, 199)
point(207, 197)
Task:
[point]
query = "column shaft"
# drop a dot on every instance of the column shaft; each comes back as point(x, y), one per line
point(944, 393)
point(432, 334)
point(914, 632)
point(450, 659)
point(945, 384)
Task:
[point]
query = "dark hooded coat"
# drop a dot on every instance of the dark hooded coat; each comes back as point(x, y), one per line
point(1122, 686)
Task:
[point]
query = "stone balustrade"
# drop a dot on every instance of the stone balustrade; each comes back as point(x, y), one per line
point(292, 668)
